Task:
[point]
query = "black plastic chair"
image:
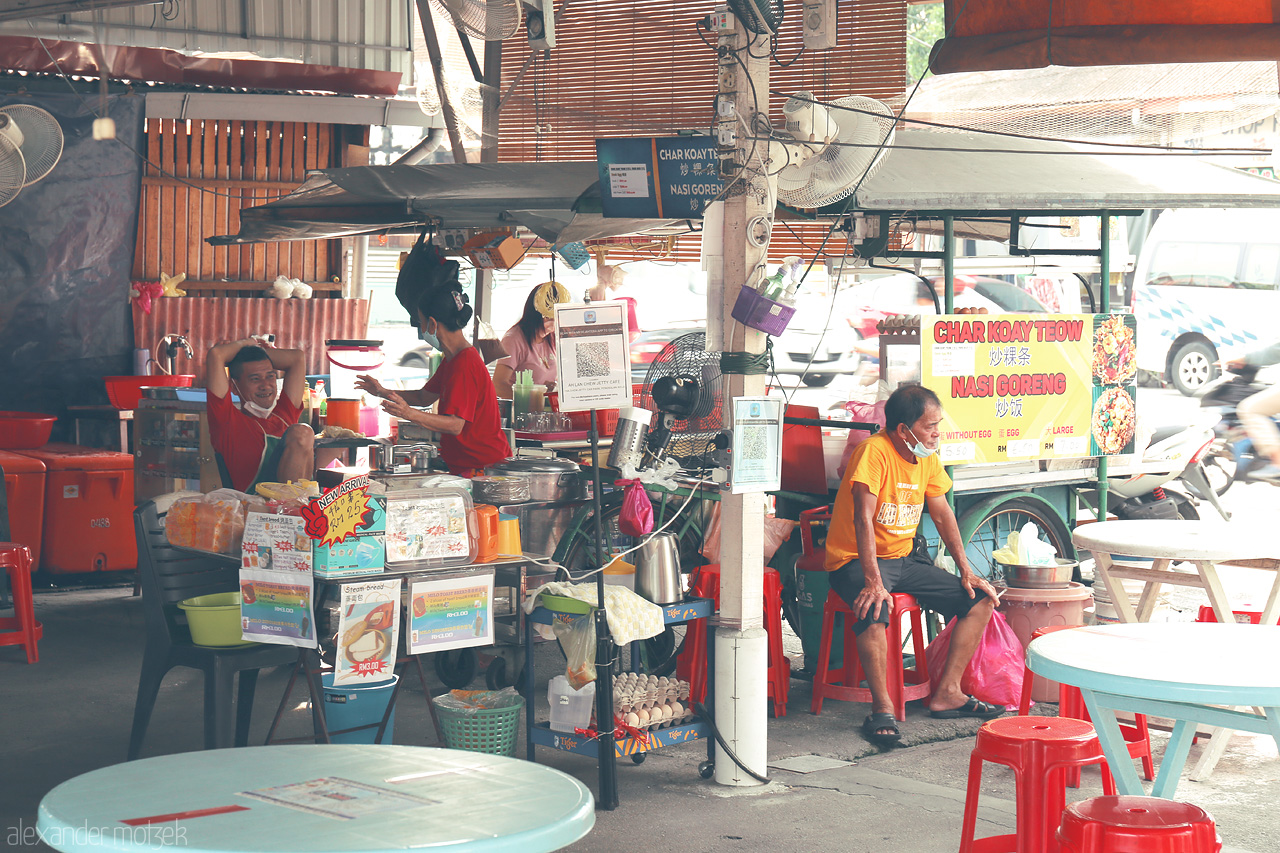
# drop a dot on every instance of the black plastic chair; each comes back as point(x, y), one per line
point(170, 576)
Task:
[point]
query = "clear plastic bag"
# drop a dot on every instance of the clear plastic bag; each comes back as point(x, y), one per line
point(995, 672)
point(636, 518)
point(577, 637)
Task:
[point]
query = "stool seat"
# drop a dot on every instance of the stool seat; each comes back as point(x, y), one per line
point(691, 666)
point(1137, 825)
point(843, 682)
point(1039, 750)
point(21, 629)
point(1071, 704)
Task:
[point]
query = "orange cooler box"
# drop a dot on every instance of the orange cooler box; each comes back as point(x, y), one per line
point(24, 490)
point(88, 509)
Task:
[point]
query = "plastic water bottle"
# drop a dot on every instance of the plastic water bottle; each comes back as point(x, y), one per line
point(319, 404)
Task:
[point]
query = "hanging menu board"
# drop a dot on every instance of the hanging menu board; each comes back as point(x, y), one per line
point(1032, 386)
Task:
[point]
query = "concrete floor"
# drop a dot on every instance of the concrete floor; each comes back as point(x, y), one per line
point(71, 713)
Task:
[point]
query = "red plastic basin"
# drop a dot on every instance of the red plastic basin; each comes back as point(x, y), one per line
point(25, 430)
point(124, 392)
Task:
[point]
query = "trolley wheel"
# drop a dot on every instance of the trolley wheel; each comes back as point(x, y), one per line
point(707, 769)
point(496, 675)
point(985, 527)
point(639, 757)
point(456, 668)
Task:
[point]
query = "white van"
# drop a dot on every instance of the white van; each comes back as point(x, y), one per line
point(1206, 288)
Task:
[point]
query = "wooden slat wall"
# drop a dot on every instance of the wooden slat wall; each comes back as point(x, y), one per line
point(202, 174)
point(634, 68)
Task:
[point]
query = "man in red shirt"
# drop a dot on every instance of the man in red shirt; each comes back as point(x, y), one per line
point(261, 440)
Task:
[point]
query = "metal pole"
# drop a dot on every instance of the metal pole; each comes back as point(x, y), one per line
point(949, 265)
point(605, 758)
point(1104, 305)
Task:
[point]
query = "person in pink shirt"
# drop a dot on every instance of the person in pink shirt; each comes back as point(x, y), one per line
point(530, 344)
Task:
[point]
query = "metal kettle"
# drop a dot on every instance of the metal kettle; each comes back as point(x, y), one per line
point(658, 569)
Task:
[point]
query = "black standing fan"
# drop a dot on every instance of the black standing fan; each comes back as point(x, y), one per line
point(683, 386)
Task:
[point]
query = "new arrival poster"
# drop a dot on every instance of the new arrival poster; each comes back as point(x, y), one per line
point(368, 632)
point(1032, 386)
point(450, 613)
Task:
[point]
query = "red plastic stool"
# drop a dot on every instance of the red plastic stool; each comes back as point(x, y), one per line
point(21, 629)
point(692, 663)
point(842, 682)
point(1137, 825)
point(1039, 750)
point(1071, 704)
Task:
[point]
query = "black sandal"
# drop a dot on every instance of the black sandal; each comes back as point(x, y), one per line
point(872, 725)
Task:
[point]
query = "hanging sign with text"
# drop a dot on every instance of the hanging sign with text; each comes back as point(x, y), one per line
point(1032, 386)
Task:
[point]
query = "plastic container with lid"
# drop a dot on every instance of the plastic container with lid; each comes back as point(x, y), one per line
point(24, 479)
point(1029, 609)
point(620, 573)
point(570, 709)
point(88, 509)
point(549, 479)
point(429, 528)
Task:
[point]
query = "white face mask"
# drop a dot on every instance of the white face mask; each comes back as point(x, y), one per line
point(919, 449)
point(247, 405)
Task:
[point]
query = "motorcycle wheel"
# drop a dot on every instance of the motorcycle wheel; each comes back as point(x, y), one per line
point(1220, 470)
point(1187, 511)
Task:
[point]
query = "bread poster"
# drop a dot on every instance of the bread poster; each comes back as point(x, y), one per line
point(368, 632)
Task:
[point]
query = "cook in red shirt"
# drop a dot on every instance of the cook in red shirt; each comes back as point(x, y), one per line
point(467, 411)
point(261, 439)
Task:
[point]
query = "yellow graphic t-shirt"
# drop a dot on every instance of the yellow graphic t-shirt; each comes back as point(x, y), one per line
point(900, 488)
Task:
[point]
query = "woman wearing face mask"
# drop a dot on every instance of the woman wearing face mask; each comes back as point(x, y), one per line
point(530, 343)
point(467, 414)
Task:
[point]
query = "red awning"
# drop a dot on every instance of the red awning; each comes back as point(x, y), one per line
point(989, 35)
point(157, 65)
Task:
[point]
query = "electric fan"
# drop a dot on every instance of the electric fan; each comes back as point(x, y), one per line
point(13, 166)
point(683, 386)
point(41, 139)
point(761, 17)
point(829, 149)
point(490, 20)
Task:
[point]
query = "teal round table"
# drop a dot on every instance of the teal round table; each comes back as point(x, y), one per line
point(1190, 672)
point(363, 799)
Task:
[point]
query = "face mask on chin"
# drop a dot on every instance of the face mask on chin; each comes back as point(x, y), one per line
point(252, 408)
point(918, 447)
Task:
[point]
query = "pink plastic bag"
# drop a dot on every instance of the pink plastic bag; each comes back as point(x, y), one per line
point(776, 531)
point(866, 413)
point(995, 671)
point(636, 518)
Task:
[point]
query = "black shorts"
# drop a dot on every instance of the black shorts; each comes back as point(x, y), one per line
point(934, 588)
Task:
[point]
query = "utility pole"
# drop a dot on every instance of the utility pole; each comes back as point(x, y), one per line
point(741, 225)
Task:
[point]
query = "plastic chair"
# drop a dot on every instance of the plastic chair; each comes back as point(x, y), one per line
point(1137, 825)
point(1039, 750)
point(170, 576)
point(21, 629)
point(1071, 704)
point(692, 663)
point(842, 682)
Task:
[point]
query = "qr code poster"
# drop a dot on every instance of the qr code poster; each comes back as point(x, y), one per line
point(593, 356)
point(757, 445)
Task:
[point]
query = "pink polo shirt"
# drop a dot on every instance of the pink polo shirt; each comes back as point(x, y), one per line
point(540, 358)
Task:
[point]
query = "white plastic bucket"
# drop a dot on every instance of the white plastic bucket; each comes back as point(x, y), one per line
point(349, 359)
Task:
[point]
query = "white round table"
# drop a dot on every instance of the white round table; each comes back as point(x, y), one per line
point(355, 799)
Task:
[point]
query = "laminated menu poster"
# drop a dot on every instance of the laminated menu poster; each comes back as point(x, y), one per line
point(368, 632)
point(450, 613)
point(430, 525)
point(1032, 386)
point(275, 581)
point(336, 797)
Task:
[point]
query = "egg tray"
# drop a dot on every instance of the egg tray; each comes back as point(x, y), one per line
point(642, 695)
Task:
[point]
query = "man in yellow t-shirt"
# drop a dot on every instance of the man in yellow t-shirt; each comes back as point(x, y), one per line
point(891, 478)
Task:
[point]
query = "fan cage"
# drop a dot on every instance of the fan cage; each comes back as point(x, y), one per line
point(687, 356)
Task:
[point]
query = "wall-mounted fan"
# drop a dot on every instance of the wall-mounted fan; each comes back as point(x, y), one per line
point(683, 386)
point(490, 20)
point(30, 146)
point(761, 17)
point(828, 149)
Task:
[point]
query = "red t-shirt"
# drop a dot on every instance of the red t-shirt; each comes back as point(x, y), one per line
point(240, 437)
point(467, 392)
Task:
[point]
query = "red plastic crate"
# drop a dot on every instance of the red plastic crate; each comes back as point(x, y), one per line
point(88, 509)
point(24, 490)
point(606, 420)
point(1245, 617)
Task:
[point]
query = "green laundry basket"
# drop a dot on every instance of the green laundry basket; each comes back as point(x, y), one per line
point(491, 730)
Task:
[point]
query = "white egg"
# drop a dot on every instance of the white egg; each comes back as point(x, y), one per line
point(642, 717)
point(633, 719)
point(677, 711)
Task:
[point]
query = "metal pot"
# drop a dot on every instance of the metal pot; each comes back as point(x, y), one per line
point(549, 479)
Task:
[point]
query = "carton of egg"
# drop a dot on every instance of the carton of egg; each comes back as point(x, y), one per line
point(651, 701)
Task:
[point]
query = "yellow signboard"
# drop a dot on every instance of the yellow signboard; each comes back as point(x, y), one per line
point(1029, 386)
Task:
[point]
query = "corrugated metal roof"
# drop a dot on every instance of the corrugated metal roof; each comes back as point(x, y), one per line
point(372, 34)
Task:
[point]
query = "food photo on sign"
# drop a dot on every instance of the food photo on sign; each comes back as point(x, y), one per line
point(1114, 417)
point(368, 632)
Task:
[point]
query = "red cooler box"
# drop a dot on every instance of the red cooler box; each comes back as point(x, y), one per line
point(88, 509)
point(24, 489)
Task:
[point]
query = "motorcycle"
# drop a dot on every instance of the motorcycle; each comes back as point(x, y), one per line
point(1233, 450)
point(1169, 481)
